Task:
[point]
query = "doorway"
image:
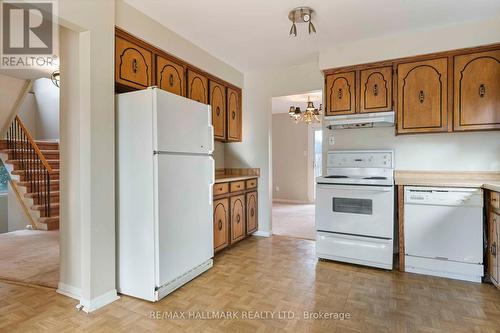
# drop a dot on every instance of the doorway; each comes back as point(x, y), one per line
point(296, 156)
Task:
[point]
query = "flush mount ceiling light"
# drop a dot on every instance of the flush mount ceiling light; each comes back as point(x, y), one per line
point(301, 15)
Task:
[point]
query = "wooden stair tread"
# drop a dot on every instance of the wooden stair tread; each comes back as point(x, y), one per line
point(49, 219)
point(34, 194)
point(27, 183)
point(42, 207)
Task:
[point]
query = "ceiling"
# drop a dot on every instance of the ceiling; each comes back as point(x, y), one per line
point(253, 34)
point(282, 104)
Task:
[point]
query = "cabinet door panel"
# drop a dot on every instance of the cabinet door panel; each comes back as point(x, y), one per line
point(376, 90)
point(221, 224)
point(133, 64)
point(340, 90)
point(494, 239)
point(237, 218)
point(197, 87)
point(234, 115)
point(218, 103)
point(477, 91)
point(252, 212)
point(423, 96)
point(170, 76)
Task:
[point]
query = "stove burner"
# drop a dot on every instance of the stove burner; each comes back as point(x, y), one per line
point(336, 176)
point(375, 177)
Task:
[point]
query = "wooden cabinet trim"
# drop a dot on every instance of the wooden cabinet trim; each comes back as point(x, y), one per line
point(221, 227)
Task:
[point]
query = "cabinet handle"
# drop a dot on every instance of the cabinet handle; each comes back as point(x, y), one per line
point(233, 114)
point(482, 90)
point(217, 111)
point(421, 96)
point(375, 89)
point(238, 218)
point(494, 249)
point(220, 225)
point(171, 80)
point(252, 212)
point(134, 65)
point(340, 93)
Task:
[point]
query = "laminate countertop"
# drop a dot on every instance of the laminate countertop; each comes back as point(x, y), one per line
point(232, 178)
point(480, 179)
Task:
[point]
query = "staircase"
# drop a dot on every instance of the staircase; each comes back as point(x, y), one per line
point(34, 169)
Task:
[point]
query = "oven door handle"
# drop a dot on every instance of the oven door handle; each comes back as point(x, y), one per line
point(356, 188)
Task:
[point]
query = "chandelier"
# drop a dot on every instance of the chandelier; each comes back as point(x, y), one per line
point(301, 15)
point(310, 115)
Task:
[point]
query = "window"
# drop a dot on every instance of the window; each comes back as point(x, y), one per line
point(4, 179)
point(353, 206)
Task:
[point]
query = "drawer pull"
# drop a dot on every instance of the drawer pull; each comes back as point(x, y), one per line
point(220, 225)
point(134, 65)
point(238, 218)
point(252, 212)
point(171, 80)
point(482, 90)
point(494, 249)
point(421, 96)
point(217, 111)
point(375, 89)
point(340, 93)
point(233, 114)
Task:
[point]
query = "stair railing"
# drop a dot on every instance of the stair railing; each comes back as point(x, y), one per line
point(37, 170)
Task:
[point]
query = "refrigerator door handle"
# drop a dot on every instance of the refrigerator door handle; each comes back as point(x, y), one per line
point(212, 181)
point(211, 139)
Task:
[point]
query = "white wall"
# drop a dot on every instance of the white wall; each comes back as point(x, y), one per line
point(473, 151)
point(16, 217)
point(290, 145)
point(408, 44)
point(219, 156)
point(27, 113)
point(446, 151)
point(47, 115)
point(11, 92)
point(4, 221)
point(256, 149)
point(142, 26)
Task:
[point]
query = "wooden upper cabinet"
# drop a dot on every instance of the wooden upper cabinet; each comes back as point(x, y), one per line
point(170, 76)
point(234, 116)
point(237, 218)
point(340, 93)
point(477, 91)
point(376, 90)
point(252, 212)
point(133, 64)
point(218, 103)
point(221, 224)
point(423, 96)
point(197, 87)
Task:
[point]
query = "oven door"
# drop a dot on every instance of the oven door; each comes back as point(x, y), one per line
point(355, 210)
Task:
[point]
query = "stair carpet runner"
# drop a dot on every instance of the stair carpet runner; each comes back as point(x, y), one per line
point(50, 150)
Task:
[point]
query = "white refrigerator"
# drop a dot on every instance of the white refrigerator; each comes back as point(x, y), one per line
point(165, 173)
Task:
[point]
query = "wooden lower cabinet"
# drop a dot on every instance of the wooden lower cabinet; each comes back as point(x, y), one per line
point(237, 218)
point(221, 224)
point(252, 212)
point(235, 212)
point(493, 215)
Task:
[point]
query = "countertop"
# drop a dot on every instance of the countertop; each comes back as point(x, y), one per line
point(485, 179)
point(232, 178)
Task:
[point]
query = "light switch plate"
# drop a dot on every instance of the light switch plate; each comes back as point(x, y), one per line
point(331, 140)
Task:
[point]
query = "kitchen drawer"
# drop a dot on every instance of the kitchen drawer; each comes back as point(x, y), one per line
point(221, 188)
point(252, 183)
point(495, 200)
point(237, 186)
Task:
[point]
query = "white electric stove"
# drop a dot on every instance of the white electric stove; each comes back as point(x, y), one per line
point(355, 208)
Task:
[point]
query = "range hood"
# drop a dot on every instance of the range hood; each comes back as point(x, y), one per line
point(365, 120)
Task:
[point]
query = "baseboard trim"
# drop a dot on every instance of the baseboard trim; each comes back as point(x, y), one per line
point(262, 233)
point(298, 202)
point(90, 305)
point(69, 291)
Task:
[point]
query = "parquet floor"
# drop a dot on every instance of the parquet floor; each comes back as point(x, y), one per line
point(273, 274)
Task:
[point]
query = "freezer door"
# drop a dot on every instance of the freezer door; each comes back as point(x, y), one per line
point(184, 208)
point(181, 124)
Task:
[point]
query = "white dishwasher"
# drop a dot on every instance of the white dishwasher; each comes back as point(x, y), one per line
point(443, 232)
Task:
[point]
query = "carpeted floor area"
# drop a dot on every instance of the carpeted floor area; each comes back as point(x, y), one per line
point(30, 256)
point(293, 220)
